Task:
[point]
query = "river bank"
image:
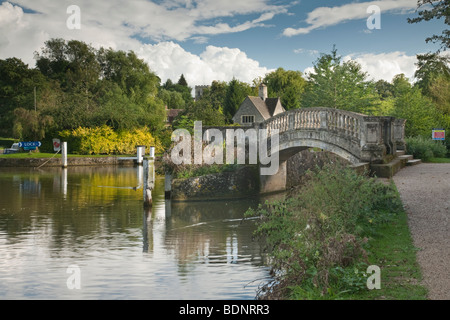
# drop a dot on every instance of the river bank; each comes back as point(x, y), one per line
point(35, 161)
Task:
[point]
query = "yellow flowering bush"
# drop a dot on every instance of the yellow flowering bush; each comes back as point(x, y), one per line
point(104, 140)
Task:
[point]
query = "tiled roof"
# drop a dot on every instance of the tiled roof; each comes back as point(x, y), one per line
point(266, 108)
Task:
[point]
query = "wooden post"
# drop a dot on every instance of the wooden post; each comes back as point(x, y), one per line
point(167, 186)
point(64, 154)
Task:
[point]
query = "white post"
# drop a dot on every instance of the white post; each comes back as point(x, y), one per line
point(152, 153)
point(149, 181)
point(140, 154)
point(64, 154)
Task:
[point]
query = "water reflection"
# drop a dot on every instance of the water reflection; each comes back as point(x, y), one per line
point(94, 218)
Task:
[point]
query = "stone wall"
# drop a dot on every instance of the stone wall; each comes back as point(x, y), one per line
point(226, 185)
point(299, 164)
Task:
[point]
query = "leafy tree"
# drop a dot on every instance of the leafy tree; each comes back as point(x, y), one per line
point(236, 92)
point(31, 124)
point(340, 85)
point(203, 111)
point(384, 89)
point(173, 99)
point(20, 87)
point(287, 85)
point(439, 92)
point(438, 9)
point(419, 111)
point(429, 67)
point(183, 89)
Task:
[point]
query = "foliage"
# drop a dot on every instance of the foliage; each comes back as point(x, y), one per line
point(439, 9)
point(30, 124)
point(286, 84)
point(103, 140)
point(340, 85)
point(317, 238)
point(235, 95)
point(419, 111)
point(425, 148)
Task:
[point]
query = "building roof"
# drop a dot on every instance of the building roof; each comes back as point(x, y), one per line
point(268, 107)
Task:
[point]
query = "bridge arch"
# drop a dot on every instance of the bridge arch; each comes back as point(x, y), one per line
point(356, 137)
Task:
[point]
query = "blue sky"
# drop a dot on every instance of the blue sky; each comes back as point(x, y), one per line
point(216, 40)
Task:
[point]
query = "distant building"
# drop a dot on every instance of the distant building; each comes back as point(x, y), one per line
point(199, 91)
point(172, 114)
point(258, 109)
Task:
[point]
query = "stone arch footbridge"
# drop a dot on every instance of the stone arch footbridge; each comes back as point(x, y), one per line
point(358, 138)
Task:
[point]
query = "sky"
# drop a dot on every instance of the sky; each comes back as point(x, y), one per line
point(207, 40)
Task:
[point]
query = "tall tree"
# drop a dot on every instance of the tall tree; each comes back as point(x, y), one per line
point(437, 9)
point(339, 85)
point(429, 67)
point(237, 91)
point(286, 84)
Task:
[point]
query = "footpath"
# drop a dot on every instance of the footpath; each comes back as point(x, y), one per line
point(425, 192)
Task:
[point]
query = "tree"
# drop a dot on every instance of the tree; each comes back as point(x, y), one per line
point(286, 84)
point(419, 111)
point(22, 87)
point(237, 91)
point(31, 124)
point(429, 67)
point(182, 81)
point(183, 89)
point(339, 85)
point(439, 9)
point(384, 89)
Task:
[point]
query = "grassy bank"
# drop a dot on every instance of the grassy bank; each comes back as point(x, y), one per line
point(322, 239)
point(438, 160)
point(39, 155)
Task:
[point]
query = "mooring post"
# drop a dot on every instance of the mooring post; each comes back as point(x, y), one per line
point(140, 152)
point(64, 154)
point(167, 186)
point(149, 177)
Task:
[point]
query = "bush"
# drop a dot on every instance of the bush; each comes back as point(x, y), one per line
point(317, 238)
point(104, 140)
point(425, 148)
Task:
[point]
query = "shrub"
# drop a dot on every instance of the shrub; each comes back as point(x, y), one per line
point(104, 140)
point(425, 148)
point(317, 238)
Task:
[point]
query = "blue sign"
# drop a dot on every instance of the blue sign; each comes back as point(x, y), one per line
point(31, 145)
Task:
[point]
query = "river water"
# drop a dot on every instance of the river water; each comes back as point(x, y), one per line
point(82, 233)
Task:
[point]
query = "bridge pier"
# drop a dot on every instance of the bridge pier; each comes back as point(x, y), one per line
point(276, 182)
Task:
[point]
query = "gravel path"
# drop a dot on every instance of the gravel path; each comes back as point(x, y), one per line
point(425, 192)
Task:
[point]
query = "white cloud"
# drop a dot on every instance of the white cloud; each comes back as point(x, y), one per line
point(328, 16)
point(382, 66)
point(25, 25)
point(385, 65)
point(169, 60)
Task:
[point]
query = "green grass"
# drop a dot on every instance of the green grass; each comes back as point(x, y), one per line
point(393, 251)
point(438, 160)
point(38, 155)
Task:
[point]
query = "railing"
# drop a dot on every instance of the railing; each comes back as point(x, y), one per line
point(344, 122)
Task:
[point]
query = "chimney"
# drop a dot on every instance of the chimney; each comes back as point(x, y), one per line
point(263, 91)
